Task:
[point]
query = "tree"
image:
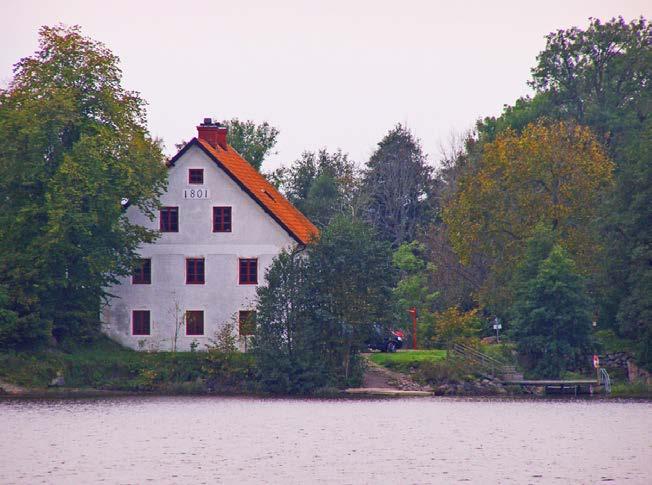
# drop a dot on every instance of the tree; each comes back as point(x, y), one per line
point(414, 288)
point(74, 148)
point(551, 314)
point(397, 187)
point(322, 185)
point(554, 173)
point(634, 315)
point(317, 306)
point(253, 141)
point(599, 76)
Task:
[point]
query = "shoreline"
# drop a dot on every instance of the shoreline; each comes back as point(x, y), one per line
point(66, 393)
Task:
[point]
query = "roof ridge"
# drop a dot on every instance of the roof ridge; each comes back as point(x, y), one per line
point(255, 184)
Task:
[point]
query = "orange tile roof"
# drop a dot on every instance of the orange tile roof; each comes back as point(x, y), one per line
point(264, 193)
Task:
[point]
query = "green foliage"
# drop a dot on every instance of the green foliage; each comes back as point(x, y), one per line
point(414, 289)
point(398, 187)
point(551, 314)
point(446, 371)
point(75, 146)
point(8, 321)
point(225, 340)
point(639, 390)
point(634, 315)
point(608, 341)
point(321, 185)
point(253, 141)
point(103, 364)
point(314, 312)
point(455, 326)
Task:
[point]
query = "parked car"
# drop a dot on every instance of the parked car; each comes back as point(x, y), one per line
point(385, 339)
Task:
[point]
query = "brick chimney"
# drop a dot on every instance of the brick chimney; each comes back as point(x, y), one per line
point(213, 133)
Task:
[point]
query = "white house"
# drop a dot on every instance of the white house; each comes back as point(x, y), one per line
point(221, 225)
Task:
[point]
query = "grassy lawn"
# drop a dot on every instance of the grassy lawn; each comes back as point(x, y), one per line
point(403, 361)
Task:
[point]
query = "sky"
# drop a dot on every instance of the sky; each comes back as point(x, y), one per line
point(331, 74)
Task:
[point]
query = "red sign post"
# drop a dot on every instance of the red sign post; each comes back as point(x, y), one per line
point(413, 312)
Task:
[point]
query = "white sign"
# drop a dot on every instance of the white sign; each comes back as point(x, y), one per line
point(497, 326)
point(195, 194)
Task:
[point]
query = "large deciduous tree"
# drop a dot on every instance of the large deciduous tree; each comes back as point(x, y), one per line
point(398, 187)
point(254, 142)
point(553, 174)
point(73, 148)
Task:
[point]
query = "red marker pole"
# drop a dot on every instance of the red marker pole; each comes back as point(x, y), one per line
point(413, 311)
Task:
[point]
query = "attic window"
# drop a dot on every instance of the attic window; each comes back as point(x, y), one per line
point(269, 195)
point(196, 176)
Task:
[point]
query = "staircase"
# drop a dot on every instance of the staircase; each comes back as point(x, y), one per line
point(485, 364)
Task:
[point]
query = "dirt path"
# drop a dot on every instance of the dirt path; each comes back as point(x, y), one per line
point(379, 377)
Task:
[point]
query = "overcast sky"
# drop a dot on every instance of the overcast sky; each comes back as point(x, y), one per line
point(327, 74)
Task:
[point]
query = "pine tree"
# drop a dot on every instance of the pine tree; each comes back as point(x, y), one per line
point(551, 315)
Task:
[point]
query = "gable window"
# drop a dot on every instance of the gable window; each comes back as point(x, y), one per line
point(194, 322)
point(196, 176)
point(140, 322)
point(169, 219)
point(142, 274)
point(248, 271)
point(246, 322)
point(195, 271)
point(221, 219)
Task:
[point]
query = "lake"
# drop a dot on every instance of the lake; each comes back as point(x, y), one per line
point(248, 440)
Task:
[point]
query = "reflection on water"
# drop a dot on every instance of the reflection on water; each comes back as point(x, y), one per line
point(237, 440)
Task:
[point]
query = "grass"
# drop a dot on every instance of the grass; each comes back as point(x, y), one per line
point(633, 390)
point(105, 364)
point(403, 361)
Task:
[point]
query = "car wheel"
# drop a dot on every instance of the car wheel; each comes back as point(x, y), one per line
point(391, 347)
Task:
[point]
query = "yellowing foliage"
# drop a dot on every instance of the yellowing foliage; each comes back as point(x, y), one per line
point(553, 174)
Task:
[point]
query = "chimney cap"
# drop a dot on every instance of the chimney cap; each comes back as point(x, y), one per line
point(210, 122)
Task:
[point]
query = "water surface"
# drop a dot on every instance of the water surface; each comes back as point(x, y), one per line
point(240, 440)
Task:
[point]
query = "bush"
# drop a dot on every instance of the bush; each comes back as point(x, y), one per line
point(453, 326)
point(448, 371)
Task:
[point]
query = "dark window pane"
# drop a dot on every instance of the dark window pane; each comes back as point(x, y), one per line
point(140, 322)
point(169, 219)
point(196, 176)
point(221, 219)
point(142, 272)
point(248, 271)
point(195, 271)
point(247, 322)
point(194, 322)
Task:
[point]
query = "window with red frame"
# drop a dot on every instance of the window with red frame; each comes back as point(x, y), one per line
point(196, 176)
point(140, 322)
point(246, 322)
point(194, 322)
point(248, 271)
point(195, 271)
point(221, 219)
point(169, 219)
point(142, 272)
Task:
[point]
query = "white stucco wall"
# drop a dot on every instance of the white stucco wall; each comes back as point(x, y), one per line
point(254, 235)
